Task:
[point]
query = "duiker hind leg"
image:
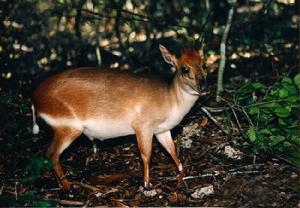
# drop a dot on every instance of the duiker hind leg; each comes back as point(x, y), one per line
point(63, 137)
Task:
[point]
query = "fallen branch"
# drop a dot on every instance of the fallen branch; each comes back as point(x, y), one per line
point(223, 173)
point(237, 121)
point(217, 173)
point(215, 109)
point(288, 162)
point(87, 186)
point(233, 107)
point(248, 118)
point(70, 202)
point(249, 167)
point(214, 120)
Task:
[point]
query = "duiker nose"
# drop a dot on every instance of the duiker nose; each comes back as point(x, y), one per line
point(203, 86)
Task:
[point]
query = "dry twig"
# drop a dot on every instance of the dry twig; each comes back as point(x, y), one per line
point(232, 172)
point(214, 120)
point(70, 203)
point(87, 186)
point(222, 173)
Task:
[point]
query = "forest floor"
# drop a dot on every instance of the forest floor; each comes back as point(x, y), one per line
point(217, 174)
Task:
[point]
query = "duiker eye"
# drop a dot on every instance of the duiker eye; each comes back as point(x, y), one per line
point(185, 70)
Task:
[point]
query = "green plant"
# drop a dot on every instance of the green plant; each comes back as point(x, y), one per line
point(27, 199)
point(272, 114)
point(35, 168)
point(18, 147)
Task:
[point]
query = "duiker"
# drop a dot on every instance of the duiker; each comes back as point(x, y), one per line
point(103, 104)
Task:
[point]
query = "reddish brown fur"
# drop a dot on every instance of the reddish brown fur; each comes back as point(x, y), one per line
point(92, 83)
point(88, 93)
point(189, 55)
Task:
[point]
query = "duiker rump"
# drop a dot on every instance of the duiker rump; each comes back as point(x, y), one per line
point(105, 104)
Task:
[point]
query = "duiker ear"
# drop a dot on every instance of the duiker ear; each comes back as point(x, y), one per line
point(169, 58)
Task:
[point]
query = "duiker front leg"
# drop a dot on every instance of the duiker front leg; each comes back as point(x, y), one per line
point(144, 139)
point(165, 139)
point(63, 137)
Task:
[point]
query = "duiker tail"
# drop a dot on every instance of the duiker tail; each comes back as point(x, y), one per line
point(35, 128)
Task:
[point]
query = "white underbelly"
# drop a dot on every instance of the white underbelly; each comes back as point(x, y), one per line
point(105, 129)
point(95, 128)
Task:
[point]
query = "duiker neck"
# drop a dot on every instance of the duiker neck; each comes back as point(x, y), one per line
point(181, 92)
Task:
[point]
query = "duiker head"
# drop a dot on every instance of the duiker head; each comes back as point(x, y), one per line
point(189, 69)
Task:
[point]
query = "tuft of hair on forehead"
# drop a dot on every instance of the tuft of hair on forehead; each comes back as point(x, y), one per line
point(190, 55)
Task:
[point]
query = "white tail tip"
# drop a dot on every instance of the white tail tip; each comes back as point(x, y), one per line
point(35, 129)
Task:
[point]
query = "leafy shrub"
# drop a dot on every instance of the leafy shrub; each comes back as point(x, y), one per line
point(27, 199)
point(19, 148)
point(35, 168)
point(272, 113)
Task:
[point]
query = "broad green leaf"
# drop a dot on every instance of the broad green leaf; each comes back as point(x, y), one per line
point(274, 92)
point(273, 105)
point(252, 133)
point(292, 99)
point(281, 122)
point(281, 112)
point(287, 80)
point(295, 105)
point(265, 131)
point(283, 93)
point(288, 108)
point(296, 123)
point(297, 80)
point(258, 85)
point(276, 139)
point(295, 161)
point(286, 144)
point(261, 143)
point(246, 88)
point(295, 139)
point(264, 117)
point(292, 89)
point(253, 110)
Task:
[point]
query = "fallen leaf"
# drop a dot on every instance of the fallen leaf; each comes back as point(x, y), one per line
point(232, 153)
point(173, 198)
point(152, 193)
point(176, 197)
point(138, 196)
point(202, 122)
point(205, 191)
point(117, 152)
